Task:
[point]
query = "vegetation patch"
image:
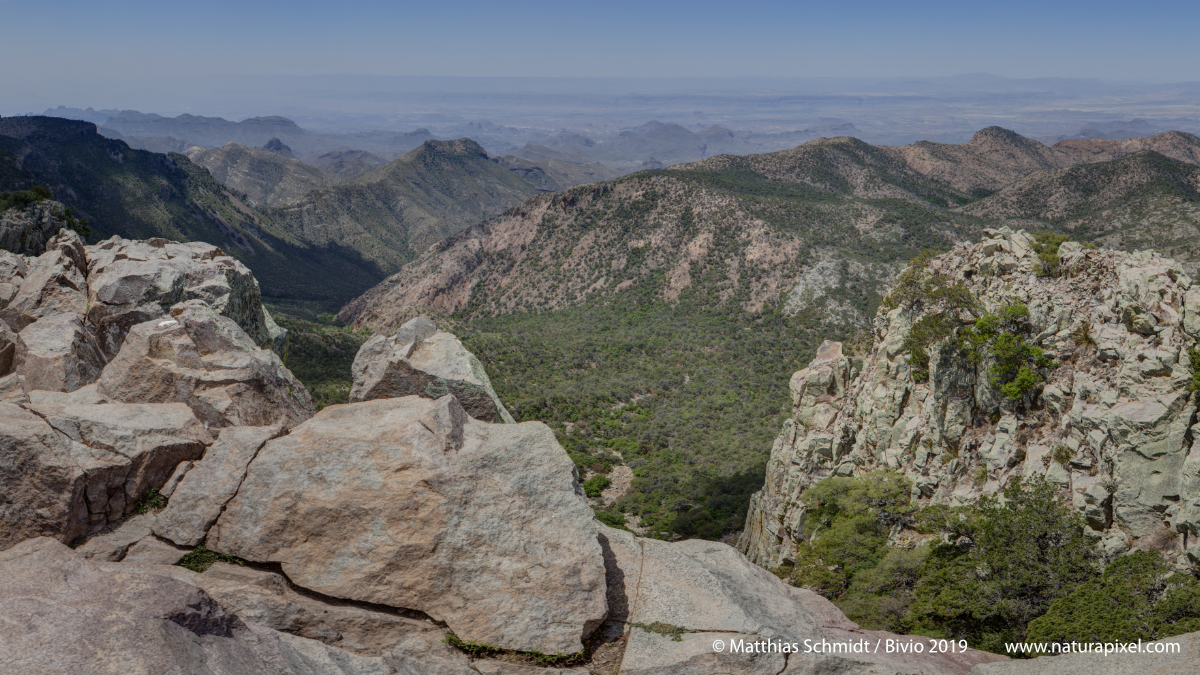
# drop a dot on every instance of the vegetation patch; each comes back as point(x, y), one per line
point(594, 486)
point(151, 501)
point(477, 650)
point(689, 397)
point(200, 559)
point(1018, 364)
point(320, 353)
point(1137, 598)
point(998, 565)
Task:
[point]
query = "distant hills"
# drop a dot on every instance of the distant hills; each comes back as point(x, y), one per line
point(820, 228)
point(393, 213)
point(140, 194)
point(668, 143)
point(266, 178)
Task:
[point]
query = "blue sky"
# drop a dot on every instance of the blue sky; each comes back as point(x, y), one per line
point(113, 42)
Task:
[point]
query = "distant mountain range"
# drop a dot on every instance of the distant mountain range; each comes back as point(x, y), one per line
point(646, 146)
point(666, 144)
point(821, 228)
point(140, 195)
point(310, 236)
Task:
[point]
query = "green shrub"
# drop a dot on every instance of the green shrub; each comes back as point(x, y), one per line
point(848, 523)
point(200, 559)
point(151, 501)
point(1019, 365)
point(612, 519)
point(595, 485)
point(23, 198)
point(1061, 454)
point(1194, 368)
point(1046, 245)
point(1003, 565)
point(1137, 598)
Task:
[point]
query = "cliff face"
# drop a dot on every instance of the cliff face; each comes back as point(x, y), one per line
point(1111, 422)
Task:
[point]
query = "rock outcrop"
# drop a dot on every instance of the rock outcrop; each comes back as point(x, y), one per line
point(25, 231)
point(200, 495)
point(712, 592)
point(131, 282)
point(68, 470)
point(408, 502)
point(54, 282)
point(198, 357)
point(58, 353)
point(420, 360)
point(1112, 424)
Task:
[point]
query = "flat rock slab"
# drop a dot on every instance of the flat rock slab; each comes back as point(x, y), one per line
point(201, 494)
point(711, 590)
point(77, 617)
point(407, 502)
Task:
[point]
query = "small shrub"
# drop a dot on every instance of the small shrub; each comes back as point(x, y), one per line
point(594, 486)
point(471, 647)
point(151, 501)
point(200, 559)
point(1194, 367)
point(612, 519)
point(1083, 336)
point(1061, 454)
point(981, 475)
point(1046, 245)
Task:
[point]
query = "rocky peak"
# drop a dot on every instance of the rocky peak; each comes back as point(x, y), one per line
point(26, 230)
point(1107, 413)
point(279, 148)
point(461, 146)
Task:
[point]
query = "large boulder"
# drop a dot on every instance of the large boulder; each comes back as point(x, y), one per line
point(131, 282)
point(66, 470)
point(198, 357)
point(57, 353)
point(408, 502)
point(420, 360)
point(77, 617)
point(201, 494)
point(704, 592)
point(54, 282)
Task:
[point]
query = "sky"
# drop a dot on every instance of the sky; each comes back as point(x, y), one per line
point(55, 47)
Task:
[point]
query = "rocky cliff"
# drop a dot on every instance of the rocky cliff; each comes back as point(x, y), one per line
point(1105, 409)
point(217, 525)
